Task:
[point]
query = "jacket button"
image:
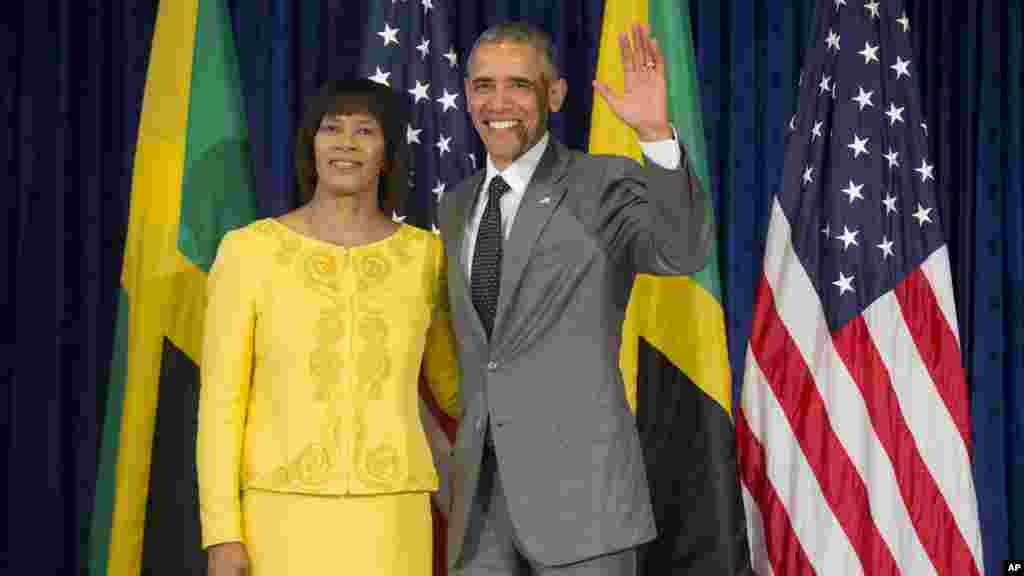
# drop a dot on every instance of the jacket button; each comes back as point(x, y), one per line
point(492, 366)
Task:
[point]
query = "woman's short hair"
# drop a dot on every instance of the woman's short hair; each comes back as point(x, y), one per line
point(357, 96)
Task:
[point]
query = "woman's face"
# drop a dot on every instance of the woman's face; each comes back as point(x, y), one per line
point(350, 154)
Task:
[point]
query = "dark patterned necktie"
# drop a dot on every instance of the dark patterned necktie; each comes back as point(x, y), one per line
point(486, 274)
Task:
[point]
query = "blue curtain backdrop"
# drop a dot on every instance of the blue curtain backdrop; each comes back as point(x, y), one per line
point(70, 100)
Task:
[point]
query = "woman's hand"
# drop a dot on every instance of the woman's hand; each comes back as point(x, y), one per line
point(227, 559)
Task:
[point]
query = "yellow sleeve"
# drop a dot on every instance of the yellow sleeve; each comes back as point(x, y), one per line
point(225, 378)
point(440, 367)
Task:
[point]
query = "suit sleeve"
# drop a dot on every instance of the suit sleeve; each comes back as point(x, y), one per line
point(440, 366)
point(656, 220)
point(225, 379)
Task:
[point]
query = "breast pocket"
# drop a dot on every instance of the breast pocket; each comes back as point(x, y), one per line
point(562, 254)
point(564, 243)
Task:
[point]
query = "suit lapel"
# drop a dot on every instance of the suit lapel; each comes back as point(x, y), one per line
point(541, 198)
point(464, 201)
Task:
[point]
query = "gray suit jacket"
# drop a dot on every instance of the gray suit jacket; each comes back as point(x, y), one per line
point(549, 381)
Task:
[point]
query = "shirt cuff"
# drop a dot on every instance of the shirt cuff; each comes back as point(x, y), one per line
point(664, 153)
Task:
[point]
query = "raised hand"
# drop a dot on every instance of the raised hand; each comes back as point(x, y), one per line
point(643, 104)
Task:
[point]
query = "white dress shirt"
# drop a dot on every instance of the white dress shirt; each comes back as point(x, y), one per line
point(664, 153)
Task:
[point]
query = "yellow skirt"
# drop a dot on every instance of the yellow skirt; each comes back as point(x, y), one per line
point(297, 534)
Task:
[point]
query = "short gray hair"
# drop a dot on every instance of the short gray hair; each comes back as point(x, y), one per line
point(519, 33)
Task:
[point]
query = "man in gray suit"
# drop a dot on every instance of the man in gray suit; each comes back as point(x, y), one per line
point(542, 247)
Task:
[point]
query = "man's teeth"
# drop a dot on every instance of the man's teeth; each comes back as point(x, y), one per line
point(343, 164)
point(504, 124)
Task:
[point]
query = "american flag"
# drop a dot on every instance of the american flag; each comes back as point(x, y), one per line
point(854, 434)
point(408, 46)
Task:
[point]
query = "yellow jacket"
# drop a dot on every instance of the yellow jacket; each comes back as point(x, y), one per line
point(310, 365)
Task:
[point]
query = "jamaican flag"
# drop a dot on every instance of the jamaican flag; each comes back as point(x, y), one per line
point(192, 182)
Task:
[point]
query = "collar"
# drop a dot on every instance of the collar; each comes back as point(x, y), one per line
point(519, 173)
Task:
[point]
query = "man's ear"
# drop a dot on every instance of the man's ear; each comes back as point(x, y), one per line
point(556, 94)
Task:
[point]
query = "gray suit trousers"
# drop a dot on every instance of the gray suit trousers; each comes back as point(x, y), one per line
point(492, 548)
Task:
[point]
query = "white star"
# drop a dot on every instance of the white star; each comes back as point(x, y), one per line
point(840, 3)
point(424, 48)
point(824, 85)
point(845, 284)
point(832, 41)
point(412, 135)
point(443, 144)
point(848, 237)
point(427, 5)
point(895, 114)
point(872, 7)
point(904, 21)
point(435, 229)
point(827, 230)
point(809, 175)
point(448, 100)
point(853, 191)
point(869, 53)
point(420, 91)
point(890, 204)
point(926, 171)
point(893, 157)
point(886, 247)
point(924, 126)
point(438, 190)
point(816, 131)
point(792, 123)
point(835, 90)
point(453, 60)
point(922, 214)
point(859, 145)
point(389, 34)
point(864, 98)
point(381, 77)
point(901, 67)
point(396, 218)
point(472, 158)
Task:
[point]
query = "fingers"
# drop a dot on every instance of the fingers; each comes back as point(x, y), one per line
point(652, 56)
point(629, 62)
point(659, 59)
point(640, 41)
point(639, 50)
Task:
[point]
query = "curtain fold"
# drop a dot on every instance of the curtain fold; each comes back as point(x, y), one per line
point(70, 101)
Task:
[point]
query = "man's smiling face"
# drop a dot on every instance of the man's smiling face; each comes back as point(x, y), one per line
point(510, 95)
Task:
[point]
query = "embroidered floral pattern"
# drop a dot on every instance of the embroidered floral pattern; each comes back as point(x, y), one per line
point(374, 269)
point(349, 375)
point(289, 245)
point(320, 268)
point(382, 464)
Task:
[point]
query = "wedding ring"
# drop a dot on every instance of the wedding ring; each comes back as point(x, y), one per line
point(649, 65)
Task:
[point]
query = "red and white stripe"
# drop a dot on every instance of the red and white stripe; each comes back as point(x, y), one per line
point(854, 445)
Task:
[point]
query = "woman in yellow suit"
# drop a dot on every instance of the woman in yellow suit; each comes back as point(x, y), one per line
point(311, 454)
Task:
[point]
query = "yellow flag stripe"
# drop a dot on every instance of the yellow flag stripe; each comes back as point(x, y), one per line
point(608, 135)
point(677, 315)
point(684, 322)
point(154, 274)
point(184, 328)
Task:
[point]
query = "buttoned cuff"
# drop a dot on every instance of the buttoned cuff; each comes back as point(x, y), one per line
point(664, 153)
